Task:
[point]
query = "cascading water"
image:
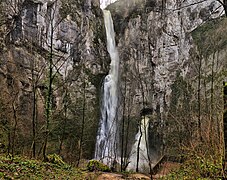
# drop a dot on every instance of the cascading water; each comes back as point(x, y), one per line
point(106, 138)
point(105, 3)
point(106, 141)
point(141, 139)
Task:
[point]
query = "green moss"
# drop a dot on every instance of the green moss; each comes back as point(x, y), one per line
point(198, 167)
point(55, 159)
point(180, 90)
point(94, 165)
point(24, 168)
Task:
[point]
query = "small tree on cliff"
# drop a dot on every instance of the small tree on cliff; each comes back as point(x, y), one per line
point(51, 74)
point(56, 61)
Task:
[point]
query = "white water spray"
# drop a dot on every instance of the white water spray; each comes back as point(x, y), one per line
point(106, 138)
point(141, 140)
point(105, 3)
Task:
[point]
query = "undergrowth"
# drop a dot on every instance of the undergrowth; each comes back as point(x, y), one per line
point(202, 164)
point(25, 168)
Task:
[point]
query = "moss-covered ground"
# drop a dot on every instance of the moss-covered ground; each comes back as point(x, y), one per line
point(25, 168)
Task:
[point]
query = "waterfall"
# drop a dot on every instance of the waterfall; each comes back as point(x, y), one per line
point(141, 140)
point(105, 3)
point(106, 138)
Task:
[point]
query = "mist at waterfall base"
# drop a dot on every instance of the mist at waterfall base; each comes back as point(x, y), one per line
point(106, 138)
point(141, 141)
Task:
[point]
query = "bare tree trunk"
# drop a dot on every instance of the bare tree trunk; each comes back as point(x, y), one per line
point(212, 100)
point(64, 122)
point(83, 124)
point(14, 124)
point(138, 148)
point(123, 130)
point(225, 124)
point(140, 128)
point(199, 98)
point(14, 127)
point(148, 155)
point(9, 142)
point(127, 129)
point(48, 107)
point(34, 115)
point(145, 131)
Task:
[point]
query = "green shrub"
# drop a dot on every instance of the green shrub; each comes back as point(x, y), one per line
point(94, 165)
point(55, 159)
point(198, 167)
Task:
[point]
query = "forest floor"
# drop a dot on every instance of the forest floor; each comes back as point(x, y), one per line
point(26, 168)
point(114, 176)
point(165, 169)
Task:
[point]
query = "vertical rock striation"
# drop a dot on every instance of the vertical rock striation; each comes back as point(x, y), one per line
point(156, 45)
point(80, 60)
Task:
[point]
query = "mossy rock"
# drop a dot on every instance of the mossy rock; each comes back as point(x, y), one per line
point(94, 165)
point(55, 159)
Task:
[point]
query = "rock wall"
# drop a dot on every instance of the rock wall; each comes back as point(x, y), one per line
point(73, 32)
point(158, 68)
point(155, 44)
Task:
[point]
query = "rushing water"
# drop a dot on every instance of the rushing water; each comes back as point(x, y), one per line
point(106, 138)
point(105, 3)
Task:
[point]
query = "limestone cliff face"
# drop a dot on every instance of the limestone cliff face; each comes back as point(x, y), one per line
point(155, 42)
point(158, 65)
point(75, 34)
point(161, 64)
